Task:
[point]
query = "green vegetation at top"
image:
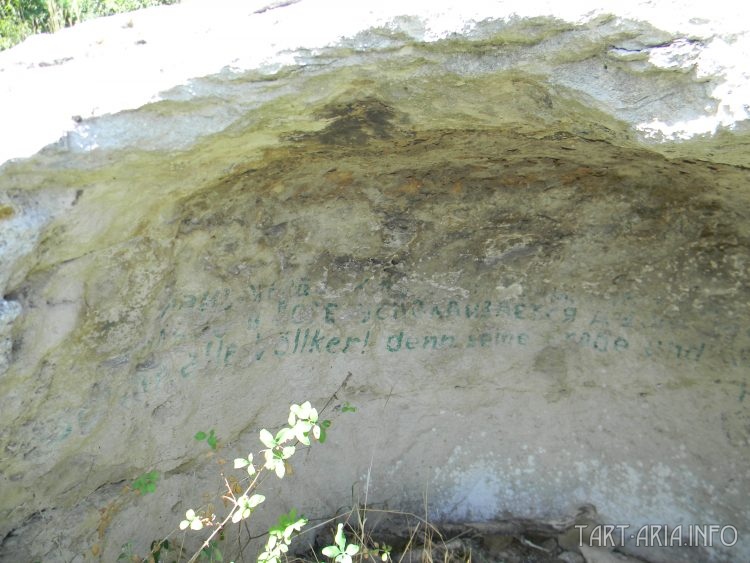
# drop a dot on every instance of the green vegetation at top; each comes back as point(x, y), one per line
point(21, 18)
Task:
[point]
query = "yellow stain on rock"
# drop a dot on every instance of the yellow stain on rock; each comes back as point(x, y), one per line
point(411, 187)
point(6, 212)
point(342, 178)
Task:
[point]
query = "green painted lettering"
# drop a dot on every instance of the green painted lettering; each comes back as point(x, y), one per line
point(349, 341)
point(283, 339)
point(394, 342)
point(448, 341)
point(329, 312)
point(299, 314)
point(602, 341)
point(453, 310)
point(315, 342)
point(331, 345)
point(303, 288)
point(502, 337)
point(503, 308)
point(231, 351)
point(599, 318)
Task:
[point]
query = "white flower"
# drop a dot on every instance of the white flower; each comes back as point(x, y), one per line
point(191, 520)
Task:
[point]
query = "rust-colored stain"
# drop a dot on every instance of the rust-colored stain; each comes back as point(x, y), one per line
point(411, 187)
point(519, 181)
point(342, 178)
point(6, 212)
point(574, 175)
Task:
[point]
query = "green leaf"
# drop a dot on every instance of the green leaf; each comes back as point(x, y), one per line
point(200, 436)
point(267, 438)
point(323, 436)
point(340, 539)
point(331, 551)
point(284, 435)
point(212, 441)
point(280, 469)
point(326, 423)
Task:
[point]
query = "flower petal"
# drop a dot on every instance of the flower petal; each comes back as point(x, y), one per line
point(280, 469)
point(255, 500)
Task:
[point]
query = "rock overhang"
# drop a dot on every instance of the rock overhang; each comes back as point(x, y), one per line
point(476, 240)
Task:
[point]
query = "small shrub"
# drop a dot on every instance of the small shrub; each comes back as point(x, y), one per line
point(146, 483)
point(210, 438)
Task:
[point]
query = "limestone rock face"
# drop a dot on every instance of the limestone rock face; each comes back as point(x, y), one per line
point(516, 239)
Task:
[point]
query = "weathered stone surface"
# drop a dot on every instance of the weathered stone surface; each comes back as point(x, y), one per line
point(533, 301)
